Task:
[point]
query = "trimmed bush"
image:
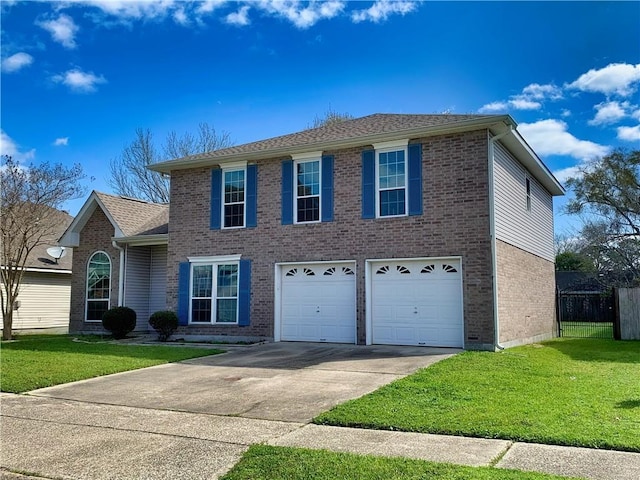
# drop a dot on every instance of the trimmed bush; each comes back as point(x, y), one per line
point(165, 322)
point(119, 321)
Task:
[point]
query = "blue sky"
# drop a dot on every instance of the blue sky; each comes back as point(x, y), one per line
point(79, 77)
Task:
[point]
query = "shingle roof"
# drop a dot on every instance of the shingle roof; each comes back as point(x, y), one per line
point(136, 217)
point(38, 258)
point(359, 128)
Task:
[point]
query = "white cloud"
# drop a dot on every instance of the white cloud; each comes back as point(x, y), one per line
point(79, 81)
point(180, 17)
point(565, 112)
point(630, 134)
point(616, 78)
point(141, 9)
point(636, 114)
point(522, 103)
point(61, 142)
point(16, 62)
point(536, 91)
point(63, 30)
point(563, 174)
point(494, 107)
point(609, 112)
point(209, 6)
point(240, 18)
point(382, 9)
point(11, 148)
point(302, 16)
point(550, 137)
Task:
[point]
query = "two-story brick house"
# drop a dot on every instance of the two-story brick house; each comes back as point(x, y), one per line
point(386, 229)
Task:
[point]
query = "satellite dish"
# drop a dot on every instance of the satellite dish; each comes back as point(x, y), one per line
point(56, 252)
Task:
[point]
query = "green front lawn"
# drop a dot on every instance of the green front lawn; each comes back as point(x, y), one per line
point(37, 361)
point(581, 392)
point(265, 462)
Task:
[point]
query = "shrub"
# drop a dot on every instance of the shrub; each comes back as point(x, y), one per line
point(165, 322)
point(119, 321)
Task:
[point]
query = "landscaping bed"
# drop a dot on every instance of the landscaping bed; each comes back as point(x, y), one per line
point(578, 392)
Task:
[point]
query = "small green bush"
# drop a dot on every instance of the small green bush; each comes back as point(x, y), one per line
point(165, 322)
point(119, 321)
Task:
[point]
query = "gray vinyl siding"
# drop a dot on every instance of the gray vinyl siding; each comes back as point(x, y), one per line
point(136, 287)
point(158, 279)
point(531, 231)
point(45, 300)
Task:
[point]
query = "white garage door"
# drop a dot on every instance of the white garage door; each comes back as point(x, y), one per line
point(318, 303)
point(417, 302)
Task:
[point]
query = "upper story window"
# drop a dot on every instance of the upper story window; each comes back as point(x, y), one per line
point(234, 197)
point(98, 286)
point(307, 194)
point(391, 179)
point(528, 187)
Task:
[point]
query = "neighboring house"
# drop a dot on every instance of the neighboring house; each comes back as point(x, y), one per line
point(386, 229)
point(45, 289)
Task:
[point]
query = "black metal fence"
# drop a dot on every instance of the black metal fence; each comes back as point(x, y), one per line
point(586, 315)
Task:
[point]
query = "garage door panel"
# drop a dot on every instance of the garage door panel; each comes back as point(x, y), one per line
point(417, 302)
point(318, 303)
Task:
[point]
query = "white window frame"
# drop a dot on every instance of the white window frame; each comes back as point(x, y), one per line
point(295, 187)
point(214, 263)
point(86, 293)
point(527, 187)
point(231, 169)
point(388, 147)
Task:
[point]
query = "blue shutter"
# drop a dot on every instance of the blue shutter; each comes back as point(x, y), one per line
point(184, 272)
point(287, 192)
point(369, 184)
point(327, 188)
point(216, 198)
point(415, 179)
point(252, 195)
point(244, 294)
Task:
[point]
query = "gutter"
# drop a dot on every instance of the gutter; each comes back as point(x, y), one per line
point(120, 274)
point(492, 235)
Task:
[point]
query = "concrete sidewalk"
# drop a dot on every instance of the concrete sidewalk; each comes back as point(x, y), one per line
point(56, 438)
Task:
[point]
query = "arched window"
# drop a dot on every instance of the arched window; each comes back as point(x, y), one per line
point(98, 286)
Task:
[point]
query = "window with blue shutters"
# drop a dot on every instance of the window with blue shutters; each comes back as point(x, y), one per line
point(214, 291)
point(307, 189)
point(234, 199)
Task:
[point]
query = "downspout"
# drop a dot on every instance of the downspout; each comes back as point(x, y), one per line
point(492, 234)
point(120, 273)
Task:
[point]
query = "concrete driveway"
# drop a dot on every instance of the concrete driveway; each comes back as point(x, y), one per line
point(290, 382)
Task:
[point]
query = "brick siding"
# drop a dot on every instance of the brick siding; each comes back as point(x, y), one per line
point(455, 222)
point(95, 236)
point(526, 296)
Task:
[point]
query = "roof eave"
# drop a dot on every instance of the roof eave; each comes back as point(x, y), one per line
point(144, 240)
point(71, 236)
point(415, 132)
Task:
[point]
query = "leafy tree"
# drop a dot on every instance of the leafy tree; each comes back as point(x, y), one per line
point(29, 217)
point(608, 190)
point(330, 117)
point(130, 176)
point(573, 262)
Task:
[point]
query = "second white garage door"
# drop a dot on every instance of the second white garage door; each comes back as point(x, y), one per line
point(318, 302)
point(417, 302)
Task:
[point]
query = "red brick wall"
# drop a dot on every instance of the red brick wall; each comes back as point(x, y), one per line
point(455, 222)
point(95, 236)
point(526, 296)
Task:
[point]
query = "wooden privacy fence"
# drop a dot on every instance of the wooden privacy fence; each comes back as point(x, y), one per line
point(627, 322)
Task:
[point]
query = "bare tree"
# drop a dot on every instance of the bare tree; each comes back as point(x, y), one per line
point(330, 117)
point(129, 173)
point(29, 217)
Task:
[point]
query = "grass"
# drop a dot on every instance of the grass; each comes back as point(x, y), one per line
point(587, 329)
point(579, 392)
point(265, 462)
point(37, 361)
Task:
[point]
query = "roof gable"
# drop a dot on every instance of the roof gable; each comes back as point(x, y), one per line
point(130, 217)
